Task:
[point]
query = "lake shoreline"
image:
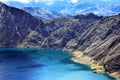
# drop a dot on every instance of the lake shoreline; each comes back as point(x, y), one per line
point(95, 66)
point(79, 57)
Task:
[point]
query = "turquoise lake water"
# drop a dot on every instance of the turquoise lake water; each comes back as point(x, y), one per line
point(43, 64)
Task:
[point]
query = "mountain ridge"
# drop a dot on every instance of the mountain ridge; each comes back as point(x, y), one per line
point(99, 7)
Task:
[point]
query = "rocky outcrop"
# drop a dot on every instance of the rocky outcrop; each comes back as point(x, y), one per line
point(98, 37)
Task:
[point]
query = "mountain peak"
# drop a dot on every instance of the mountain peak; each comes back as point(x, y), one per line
point(2, 4)
point(81, 7)
point(3, 7)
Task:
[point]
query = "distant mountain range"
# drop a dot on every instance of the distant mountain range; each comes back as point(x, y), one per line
point(43, 13)
point(99, 7)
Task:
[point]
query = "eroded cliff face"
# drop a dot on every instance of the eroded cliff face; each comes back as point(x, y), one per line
point(15, 25)
point(97, 37)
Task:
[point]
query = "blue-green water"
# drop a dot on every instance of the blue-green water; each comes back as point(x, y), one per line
point(43, 64)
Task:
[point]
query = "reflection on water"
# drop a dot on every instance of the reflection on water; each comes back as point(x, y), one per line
point(44, 64)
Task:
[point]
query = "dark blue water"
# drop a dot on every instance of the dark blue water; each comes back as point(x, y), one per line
point(44, 64)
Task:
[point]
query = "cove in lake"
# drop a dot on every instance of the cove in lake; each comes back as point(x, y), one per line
point(43, 64)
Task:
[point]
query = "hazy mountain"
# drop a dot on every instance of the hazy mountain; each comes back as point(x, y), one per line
point(96, 8)
point(98, 37)
point(42, 13)
point(99, 7)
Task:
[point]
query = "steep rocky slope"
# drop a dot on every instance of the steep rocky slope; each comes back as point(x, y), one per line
point(98, 37)
point(15, 25)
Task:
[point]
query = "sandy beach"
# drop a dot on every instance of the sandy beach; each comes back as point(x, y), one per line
point(95, 66)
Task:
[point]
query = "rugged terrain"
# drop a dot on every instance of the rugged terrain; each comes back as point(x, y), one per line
point(98, 37)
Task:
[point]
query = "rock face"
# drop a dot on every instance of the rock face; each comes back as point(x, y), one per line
point(97, 37)
point(15, 25)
